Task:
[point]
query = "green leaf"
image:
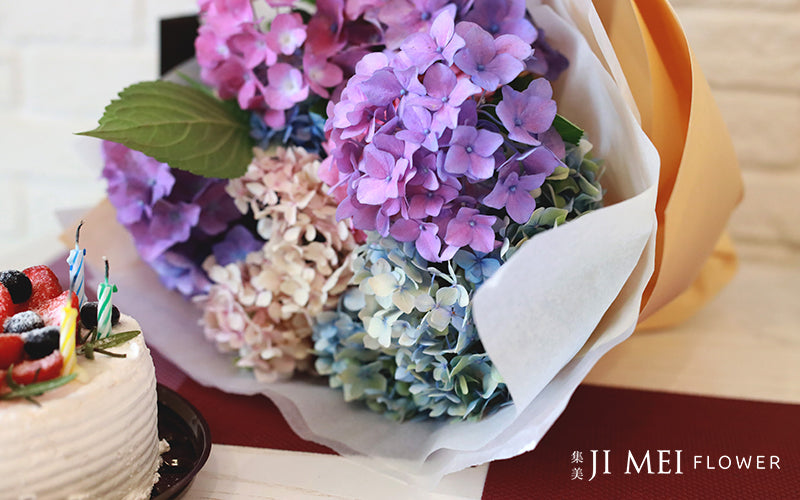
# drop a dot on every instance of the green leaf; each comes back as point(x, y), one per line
point(196, 84)
point(38, 388)
point(568, 131)
point(181, 126)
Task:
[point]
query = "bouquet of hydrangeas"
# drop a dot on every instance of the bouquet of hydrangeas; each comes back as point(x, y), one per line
point(447, 209)
point(449, 169)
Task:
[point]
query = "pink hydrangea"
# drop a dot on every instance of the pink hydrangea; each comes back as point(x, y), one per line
point(261, 306)
point(287, 33)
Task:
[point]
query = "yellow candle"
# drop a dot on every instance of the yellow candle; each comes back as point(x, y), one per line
point(67, 339)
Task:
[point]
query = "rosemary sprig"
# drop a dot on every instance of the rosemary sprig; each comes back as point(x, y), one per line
point(29, 391)
point(102, 345)
point(109, 353)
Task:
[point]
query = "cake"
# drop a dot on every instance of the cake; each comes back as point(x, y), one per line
point(93, 437)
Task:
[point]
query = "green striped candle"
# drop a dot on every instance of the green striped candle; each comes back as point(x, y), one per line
point(104, 291)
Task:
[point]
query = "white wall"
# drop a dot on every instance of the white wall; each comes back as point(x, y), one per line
point(750, 52)
point(61, 62)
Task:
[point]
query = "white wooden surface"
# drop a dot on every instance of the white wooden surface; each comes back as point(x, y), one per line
point(236, 472)
point(744, 344)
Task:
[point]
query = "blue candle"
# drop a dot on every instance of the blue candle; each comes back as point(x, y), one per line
point(75, 261)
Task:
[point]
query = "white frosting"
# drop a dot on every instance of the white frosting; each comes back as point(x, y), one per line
point(95, 437)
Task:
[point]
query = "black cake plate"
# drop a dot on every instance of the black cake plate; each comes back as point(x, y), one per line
point(186, 431)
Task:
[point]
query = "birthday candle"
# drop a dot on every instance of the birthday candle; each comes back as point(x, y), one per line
point(67, 339)
point(75, 261)
point(104, 291)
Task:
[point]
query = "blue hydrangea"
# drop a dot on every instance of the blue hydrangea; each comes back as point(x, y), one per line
point(408, 347)
point(304, 128)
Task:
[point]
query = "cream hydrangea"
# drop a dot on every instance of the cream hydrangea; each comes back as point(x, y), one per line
point(262, 307)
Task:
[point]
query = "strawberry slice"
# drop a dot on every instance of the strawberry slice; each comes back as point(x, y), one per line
point(38, 370)
point(11, 349)
point(52, 310)
point(45, 286)
point(7, 307)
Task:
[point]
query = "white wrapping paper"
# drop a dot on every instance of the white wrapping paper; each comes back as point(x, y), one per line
point(566, 298)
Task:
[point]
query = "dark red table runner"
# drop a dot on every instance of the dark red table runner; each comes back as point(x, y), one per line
point(597, 418)
point(714, 430)
point(233, 419)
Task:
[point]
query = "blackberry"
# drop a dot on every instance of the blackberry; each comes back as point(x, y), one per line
point(89, 315)
point(18, 285)
point(23, 322)
point(41, 342)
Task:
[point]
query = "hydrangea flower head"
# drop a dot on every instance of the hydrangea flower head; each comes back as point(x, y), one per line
point(408, 347)
point(170, 214)
point(438, 111)
point(135, 181)
point(274, 283)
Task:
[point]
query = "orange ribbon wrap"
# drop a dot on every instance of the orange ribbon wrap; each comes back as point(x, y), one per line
point(700, 183)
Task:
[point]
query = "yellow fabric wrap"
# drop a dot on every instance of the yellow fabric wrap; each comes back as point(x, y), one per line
point(700, 183)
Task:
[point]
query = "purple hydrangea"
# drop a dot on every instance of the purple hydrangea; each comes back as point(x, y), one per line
point(491, 63)
point(471, 152)
point(239, 241)
point(514, 194)
point(178, 272)
point(135, 181)
point(500, 17)
point(218, 210)
point(439, 44)
point(172, 215)
point(427, 143)
point(525, 114)
point(470, 228)
point(170, 223)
